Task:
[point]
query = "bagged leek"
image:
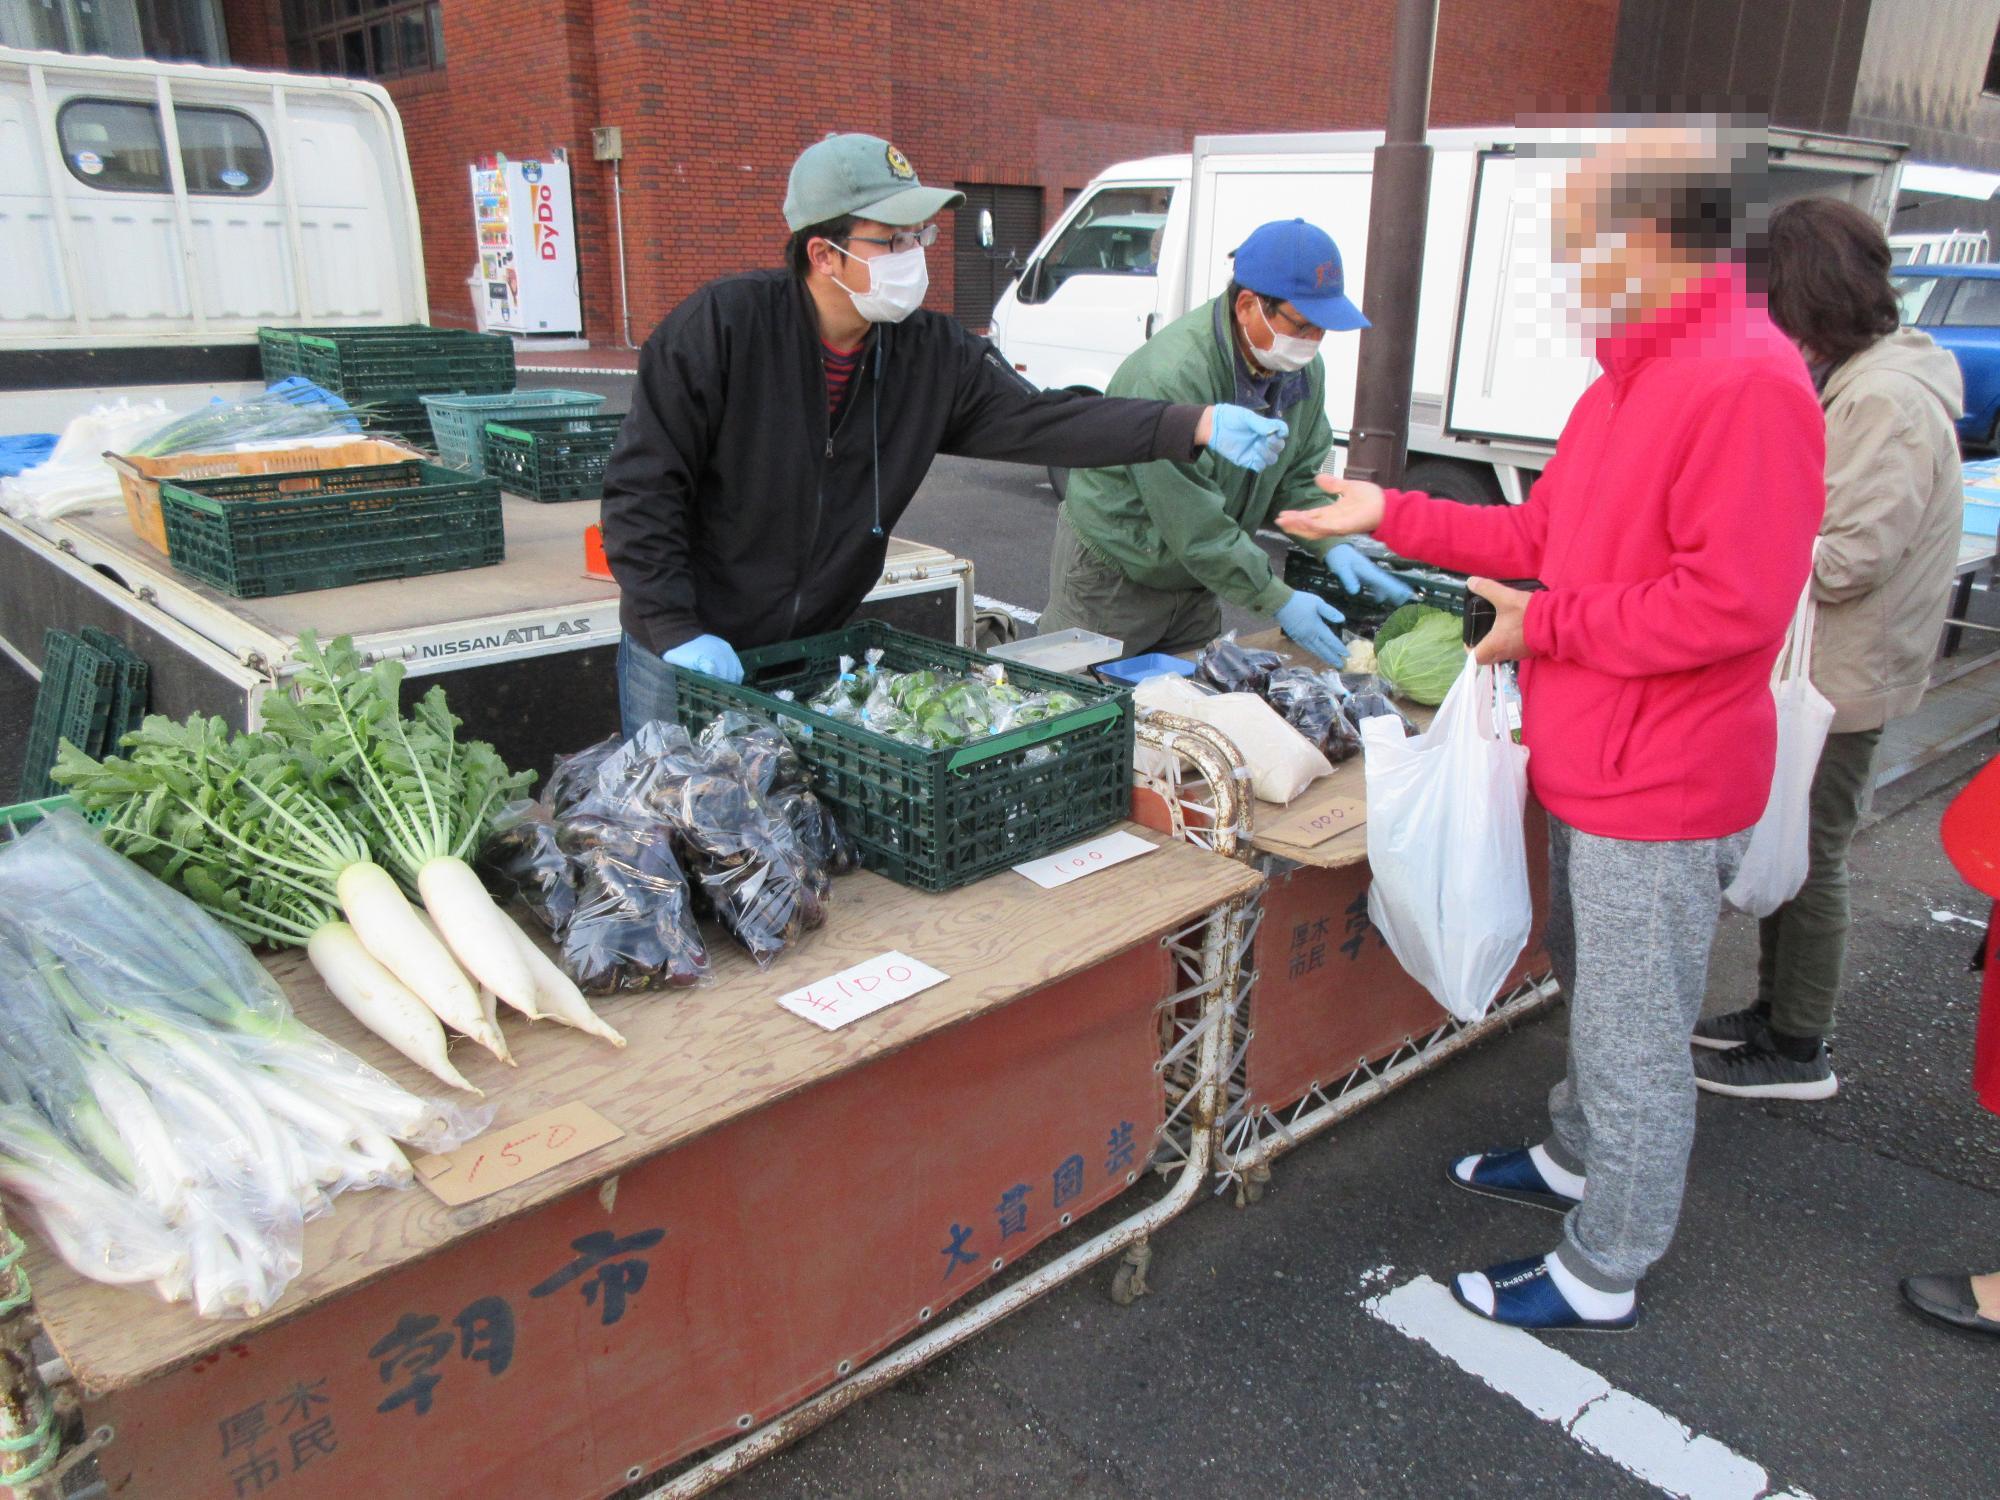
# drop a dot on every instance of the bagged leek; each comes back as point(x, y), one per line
point(164, 1117)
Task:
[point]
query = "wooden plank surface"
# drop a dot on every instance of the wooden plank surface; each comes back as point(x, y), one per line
point(697, 1058)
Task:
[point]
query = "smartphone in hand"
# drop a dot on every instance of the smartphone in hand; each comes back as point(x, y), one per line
point(1479, 613)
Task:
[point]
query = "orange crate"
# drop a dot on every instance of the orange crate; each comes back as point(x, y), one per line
point(140, 478)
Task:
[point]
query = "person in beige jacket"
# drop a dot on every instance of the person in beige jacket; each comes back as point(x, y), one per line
point(1882, 576)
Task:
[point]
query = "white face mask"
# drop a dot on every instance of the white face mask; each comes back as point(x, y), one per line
point(1286, 352)
point(896, 285)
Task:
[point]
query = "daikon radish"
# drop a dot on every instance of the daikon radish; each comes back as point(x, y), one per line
point(380, 1001)
point(392, 932)
point(476, 931)
point(557, 995)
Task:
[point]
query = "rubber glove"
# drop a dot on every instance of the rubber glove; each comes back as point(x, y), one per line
point(1246, 439)
point(1311, 621)
point(1359, 574)
point(706, 653)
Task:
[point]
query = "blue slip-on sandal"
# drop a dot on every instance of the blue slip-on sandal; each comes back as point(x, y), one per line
point(1509, 1175)
point(1525, 1296)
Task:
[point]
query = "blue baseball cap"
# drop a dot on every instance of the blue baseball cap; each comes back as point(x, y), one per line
point(1299, 263)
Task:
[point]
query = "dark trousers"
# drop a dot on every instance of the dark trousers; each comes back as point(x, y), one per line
point(1804, 942)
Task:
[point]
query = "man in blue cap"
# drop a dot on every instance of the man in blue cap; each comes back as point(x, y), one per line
point(783, 420)
point(1148, 551)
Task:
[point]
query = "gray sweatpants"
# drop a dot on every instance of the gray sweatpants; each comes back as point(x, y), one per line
point(1630, 927)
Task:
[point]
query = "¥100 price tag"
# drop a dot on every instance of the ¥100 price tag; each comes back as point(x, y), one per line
point(861, 990)
point(1084, 859)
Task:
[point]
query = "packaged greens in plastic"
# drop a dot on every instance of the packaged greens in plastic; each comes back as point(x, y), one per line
point(1229, 665)
point(1313, 704)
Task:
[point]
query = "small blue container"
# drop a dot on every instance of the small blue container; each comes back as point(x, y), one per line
point(1134, 670)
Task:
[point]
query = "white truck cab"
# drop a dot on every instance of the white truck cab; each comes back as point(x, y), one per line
point(154, 215)
point(1497, 368)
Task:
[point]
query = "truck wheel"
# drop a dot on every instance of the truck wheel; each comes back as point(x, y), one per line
point(1470, 484)
point(1059, 482)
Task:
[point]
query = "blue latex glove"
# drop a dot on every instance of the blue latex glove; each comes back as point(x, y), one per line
point(1359, 574)
point(1312, 622)
point(1246, 439)
point(706, 653)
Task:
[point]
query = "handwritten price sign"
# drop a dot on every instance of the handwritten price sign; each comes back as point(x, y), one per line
point(514, 1153)
point(861, 990)
point(1074, 863)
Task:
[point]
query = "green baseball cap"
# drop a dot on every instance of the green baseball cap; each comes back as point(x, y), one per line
point(862, 175)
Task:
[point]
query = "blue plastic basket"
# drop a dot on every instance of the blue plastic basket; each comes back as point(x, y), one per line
point(1134, 670)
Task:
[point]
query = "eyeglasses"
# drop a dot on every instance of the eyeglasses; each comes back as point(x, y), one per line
point(1299, 326)
point(903, 239)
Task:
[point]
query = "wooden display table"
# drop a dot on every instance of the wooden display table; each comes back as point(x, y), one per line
point(785, 1203)
point(1333, 1020)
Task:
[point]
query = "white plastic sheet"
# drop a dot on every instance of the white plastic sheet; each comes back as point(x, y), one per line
point(1446, 846)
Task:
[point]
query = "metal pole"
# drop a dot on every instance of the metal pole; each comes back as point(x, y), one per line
point(1397, 210)
point(624, 289)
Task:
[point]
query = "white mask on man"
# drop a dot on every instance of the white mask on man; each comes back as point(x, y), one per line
point(896, 285)
point(1286, 353)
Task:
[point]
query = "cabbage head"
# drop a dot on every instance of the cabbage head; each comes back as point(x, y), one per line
point(1419, 651)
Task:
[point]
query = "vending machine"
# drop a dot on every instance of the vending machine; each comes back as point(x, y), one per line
point(527, 245)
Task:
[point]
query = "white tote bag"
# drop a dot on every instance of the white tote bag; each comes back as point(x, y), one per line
point(1774, 866)
point(1446, 847)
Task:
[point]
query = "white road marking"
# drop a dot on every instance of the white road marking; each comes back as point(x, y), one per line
point(1638, 1437)
point(575, 370)
point(1025, 616)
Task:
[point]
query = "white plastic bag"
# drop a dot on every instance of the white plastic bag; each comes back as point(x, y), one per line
point(1775, 864)
point(1446, 847)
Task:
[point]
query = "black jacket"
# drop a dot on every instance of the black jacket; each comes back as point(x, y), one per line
point(730, 510)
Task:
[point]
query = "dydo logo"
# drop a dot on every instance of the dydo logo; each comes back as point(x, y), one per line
point(547, 235)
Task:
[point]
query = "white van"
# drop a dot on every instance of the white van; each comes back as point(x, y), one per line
point(165, 211)
point(1948, 247)
point(1496, 368)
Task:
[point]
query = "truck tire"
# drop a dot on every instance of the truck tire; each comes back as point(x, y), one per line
point(1449, 479)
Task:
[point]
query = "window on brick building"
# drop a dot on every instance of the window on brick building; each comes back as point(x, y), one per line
point(978, 278)
point(365, 38)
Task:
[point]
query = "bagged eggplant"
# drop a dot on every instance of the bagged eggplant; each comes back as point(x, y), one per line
point(633, 925)
point(1231, 667)
point(1313, 703)
point(525, 861)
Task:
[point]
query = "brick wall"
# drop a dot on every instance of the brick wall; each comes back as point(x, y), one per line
point(716, 101)
point(256, 31)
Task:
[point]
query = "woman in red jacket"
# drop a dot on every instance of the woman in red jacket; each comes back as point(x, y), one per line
point(1971, 834)
point(1673, 533)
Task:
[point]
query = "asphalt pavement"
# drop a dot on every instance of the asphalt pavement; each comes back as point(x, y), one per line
point(1257, 1368)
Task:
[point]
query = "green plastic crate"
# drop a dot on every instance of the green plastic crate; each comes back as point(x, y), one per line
point(458, 423)
point(937, 819)
point(76, 701)
point(391, 363)
point(1433, 586)
point(254, 535)
point(552, 458)
point(132, 687)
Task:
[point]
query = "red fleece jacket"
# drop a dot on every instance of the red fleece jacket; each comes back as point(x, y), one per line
point(1674, 532)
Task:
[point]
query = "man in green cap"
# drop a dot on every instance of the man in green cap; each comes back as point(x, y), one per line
point(783, 420)
point(1147, 552)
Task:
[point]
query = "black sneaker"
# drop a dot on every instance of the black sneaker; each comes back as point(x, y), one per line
point(1732, 1028)
point(1755, 1071)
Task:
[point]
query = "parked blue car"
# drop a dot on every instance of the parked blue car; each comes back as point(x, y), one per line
point(1959, 306)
